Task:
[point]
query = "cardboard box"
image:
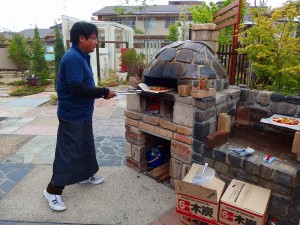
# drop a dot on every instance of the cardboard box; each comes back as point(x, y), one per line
point(200, 202)
point(190, 221)
point(244, 203)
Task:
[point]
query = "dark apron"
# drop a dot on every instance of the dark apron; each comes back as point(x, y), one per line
point(75, 156)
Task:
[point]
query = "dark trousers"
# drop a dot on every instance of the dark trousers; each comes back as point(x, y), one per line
point(54, 190)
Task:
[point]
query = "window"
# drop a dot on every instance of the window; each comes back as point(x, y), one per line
point(169, 21)
point(130, 21)
point(149, 23)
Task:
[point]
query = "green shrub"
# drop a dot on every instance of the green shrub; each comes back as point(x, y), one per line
point(27, 90)
point(53, 99)
point(17, 83)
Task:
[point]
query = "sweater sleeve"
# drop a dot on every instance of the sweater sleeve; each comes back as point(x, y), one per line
point(82, 90)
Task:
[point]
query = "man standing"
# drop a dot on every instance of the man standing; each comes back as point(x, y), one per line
point(75, 157)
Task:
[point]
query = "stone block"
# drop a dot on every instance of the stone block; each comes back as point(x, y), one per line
point(201, 130)
point(220, 154)
point(296, 143)
point(209, 161)
point(204, 115)
point(293, 99)
point(183, 114)
point(166, 124)
point(224, 122)
point(184, 130)
point(242, 175)
point(197, 158)
point(280, 189)
point(133, 115)
point(133, 103)
point(221, 167)
point(222, 108)
point(197, 146)
point(294, 217)
point(283, 108)
point(233, 93)
point(138, 166)
point(263, 98)
point(172, 184)
point(138, 153)
point(204, 26)
point(180, 151)
point(128, 149)
point(266, 172)
point(265, 183)
point(215, 35)
point(146, 127)
point(252, 165)
point(216, 139)
point(284, 176)
point(244, 94)
point(276, 97)
point(185, 170)
point(220, 98)
point(205, 103)
point(132, 122)
point(204, 35)
point(279, 205)
point(252, 96)
point(167, 134)
point(176, 169)
point(153, 120)
point(256, 114)
point(208, 152)
point(243, 116)
point(234, 160)
point(134, 138)
point(183, 138)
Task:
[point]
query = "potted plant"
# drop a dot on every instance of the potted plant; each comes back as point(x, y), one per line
point(134, 63)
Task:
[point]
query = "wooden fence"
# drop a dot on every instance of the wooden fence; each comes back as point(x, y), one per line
point(242, 64)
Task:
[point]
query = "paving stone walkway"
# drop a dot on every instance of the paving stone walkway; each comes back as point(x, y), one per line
point(35, 124)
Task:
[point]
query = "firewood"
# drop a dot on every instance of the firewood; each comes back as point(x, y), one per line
point(159, 169)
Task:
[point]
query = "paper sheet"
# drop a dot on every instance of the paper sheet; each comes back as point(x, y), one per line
point(269, 121)
point(146, 88)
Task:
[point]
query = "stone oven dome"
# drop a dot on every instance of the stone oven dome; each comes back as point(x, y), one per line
point(183, 62)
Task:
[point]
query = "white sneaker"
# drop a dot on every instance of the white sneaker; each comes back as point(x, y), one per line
point(55, 201)
point(93, 180)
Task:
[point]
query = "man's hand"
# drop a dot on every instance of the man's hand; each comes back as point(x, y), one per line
point(111, 94)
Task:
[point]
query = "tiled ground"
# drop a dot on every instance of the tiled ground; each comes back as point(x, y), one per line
point(28, 134)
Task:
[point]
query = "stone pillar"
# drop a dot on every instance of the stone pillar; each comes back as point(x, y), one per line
point(207, 34)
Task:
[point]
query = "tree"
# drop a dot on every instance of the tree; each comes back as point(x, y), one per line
point(183, 24)
point(202, 13)
point(134, 62)
point(173, 32)
point(39, 65)
point(3, 39)
point(19, 52)
point(59, 50)
point(273, 48)
point(142, 9)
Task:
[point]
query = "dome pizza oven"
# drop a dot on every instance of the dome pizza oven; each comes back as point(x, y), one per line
point(185, 62)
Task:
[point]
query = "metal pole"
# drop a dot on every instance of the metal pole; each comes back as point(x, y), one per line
point(98, 62)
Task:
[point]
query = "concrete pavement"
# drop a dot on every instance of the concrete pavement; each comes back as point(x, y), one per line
point(28, 128)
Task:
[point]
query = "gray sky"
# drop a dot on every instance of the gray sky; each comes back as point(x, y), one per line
point(18, 15)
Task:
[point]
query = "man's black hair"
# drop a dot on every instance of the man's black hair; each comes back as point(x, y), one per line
point(82, 28)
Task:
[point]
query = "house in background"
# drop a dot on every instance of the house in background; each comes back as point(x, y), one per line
point(152, 20)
